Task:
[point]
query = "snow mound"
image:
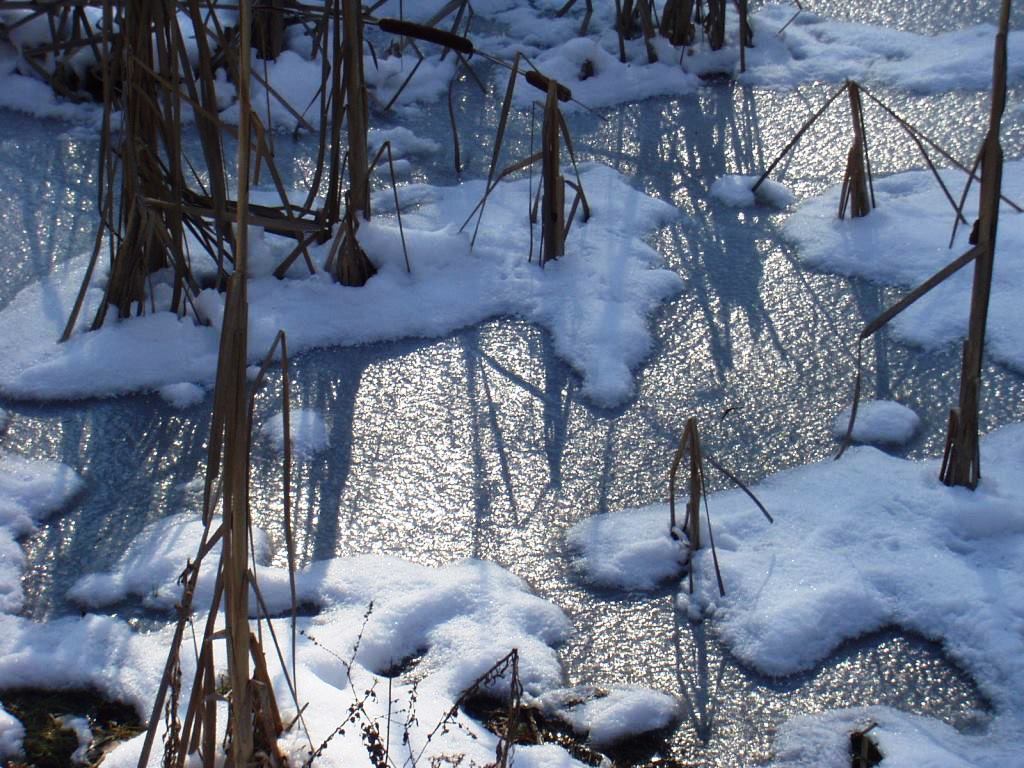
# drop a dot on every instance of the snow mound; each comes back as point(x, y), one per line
point(458, 617)
point(595, 300)
point(631, 549)
point(610, 716)
point(608, 81)
point(882, 247)
point(183, 394)
point(737, 191)
point(870, 541)
point(880, 422)
point(307, 428)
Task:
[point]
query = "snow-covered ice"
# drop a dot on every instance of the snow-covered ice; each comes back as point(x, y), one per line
point(595, 300)
point(879, 422)
point(457, 620)
point(905, 240)
point(817, 49)
point(631, 553)
point(867, 542)
point(11, 734)
point(183, 394)
point(30, 489)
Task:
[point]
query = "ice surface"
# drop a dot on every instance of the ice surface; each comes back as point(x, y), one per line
point(881, 422)
point(595, 300)
point(905, 240)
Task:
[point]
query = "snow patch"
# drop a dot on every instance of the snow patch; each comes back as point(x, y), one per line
point(183, 394)
point(307, 428)
point(610, 716)
point(30, 489)
point(880, 422)
point(595, 300)
point(738, 192)
point(632, 549)
point(905, 240)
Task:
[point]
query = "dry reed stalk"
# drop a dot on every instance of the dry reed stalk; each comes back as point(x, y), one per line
point(963, 464)
point(689, 446)
point(857, 193)
point(746, 33)
point(553, 184)
point(677, 22)
point(585, 24)
point(357, 108)
point(268, 20)
point(714, 24)
point(648, 27)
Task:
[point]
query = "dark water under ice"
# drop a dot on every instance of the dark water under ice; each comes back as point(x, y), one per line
point(479, 445)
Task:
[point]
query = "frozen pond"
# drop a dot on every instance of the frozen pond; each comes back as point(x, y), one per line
point(479, 445)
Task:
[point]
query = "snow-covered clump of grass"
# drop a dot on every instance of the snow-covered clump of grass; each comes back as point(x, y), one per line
point(738, 192)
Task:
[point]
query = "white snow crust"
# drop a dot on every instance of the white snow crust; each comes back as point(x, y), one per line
point(882, 247)
point(879, 422)
point(817, 49)
point(11, 734)
point(595, 300)
point(183, 394)
point(631, 550)
point(812, 49)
